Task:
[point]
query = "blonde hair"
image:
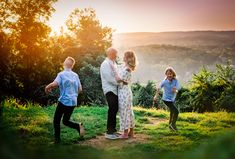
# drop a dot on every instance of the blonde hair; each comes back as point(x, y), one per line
point(71, 63)
point(131, 60)
point(171, 70)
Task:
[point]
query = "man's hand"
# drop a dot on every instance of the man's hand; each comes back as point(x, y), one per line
point(118, 79)
point(125, 83)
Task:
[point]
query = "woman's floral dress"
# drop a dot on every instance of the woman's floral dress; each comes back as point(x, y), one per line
point(125, 99)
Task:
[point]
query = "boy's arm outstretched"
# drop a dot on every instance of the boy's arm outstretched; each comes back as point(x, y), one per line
point(80, 89)
point(50, 86)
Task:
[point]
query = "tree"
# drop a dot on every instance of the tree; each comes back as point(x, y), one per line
point(24, 23)
point(5, 66)
point(88, 45)
point(88, 31)
point(33, 58)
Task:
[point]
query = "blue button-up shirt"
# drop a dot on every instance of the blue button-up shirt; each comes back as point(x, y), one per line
point(69, 84)
point(168, 94)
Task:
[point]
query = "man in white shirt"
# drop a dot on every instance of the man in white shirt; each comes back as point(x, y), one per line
point(110, 88)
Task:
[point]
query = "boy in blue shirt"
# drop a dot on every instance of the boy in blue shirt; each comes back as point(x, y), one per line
point(170, 87)
point(70, 86)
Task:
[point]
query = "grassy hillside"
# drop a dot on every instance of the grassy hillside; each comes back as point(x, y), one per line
point(185, 60)
point(187, 52)
point(27, 132)
point(190, 38)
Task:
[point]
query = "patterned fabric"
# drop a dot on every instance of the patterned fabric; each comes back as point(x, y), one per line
point(125, 100)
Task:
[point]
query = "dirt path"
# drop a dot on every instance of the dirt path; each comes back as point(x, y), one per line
point(100, 142)
point(155, 121)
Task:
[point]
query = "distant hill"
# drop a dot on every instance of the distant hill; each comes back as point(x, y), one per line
point(175, 38)
point(187, 52)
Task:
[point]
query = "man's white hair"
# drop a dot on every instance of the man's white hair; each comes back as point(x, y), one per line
point(110, 50)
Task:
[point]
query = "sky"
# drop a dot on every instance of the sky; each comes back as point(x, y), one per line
point(152, 15)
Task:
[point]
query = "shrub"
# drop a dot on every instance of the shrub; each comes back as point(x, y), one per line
point(91, 83)
point(203, 91)
point(226, 81)
point(143, 95)
point(213, 91)
point(183, 100)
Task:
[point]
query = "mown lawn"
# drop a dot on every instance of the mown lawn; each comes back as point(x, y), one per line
point(27, 132)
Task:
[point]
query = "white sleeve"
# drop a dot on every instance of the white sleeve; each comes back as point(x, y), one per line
point(107, 74)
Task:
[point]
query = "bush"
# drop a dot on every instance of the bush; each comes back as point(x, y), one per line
point(183, 100)
point(203, 91)
point(226, 81)
point(213, 91)
point(46, 99)
point(143, 95)
point(208, 91)
point(92, 87)
point(226, 100)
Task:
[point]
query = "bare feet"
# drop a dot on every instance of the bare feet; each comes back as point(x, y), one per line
point(131, 133)
point(82, 131)
point(123, 136)
point(132, 136)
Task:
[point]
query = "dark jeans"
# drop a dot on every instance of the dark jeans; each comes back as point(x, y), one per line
point(66, 112)
point(112, 100)
point(173, 112)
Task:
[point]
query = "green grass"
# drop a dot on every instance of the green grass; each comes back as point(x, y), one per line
point(27, 132)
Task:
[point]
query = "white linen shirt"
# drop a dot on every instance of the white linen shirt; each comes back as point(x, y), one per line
point(109, 83)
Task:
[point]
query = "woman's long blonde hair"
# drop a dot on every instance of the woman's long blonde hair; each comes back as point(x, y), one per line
point(130, 59)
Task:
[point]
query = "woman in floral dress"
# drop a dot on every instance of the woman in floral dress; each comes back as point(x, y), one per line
point(125, 95)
